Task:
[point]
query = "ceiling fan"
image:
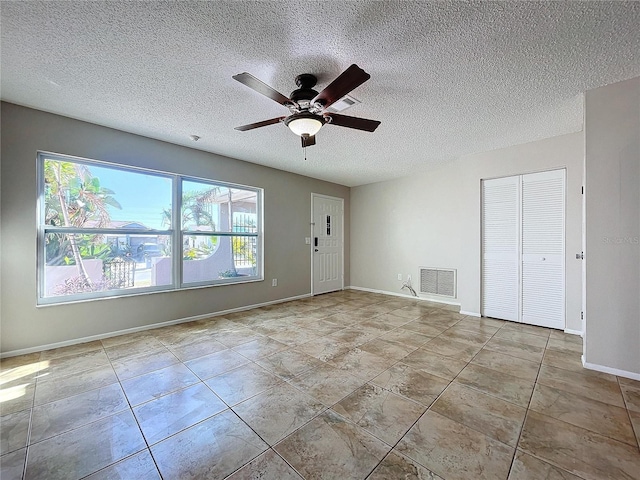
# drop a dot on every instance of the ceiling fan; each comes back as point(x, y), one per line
point(308, 107)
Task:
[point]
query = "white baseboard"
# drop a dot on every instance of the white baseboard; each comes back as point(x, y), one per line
point(612, 371)
point(471, 314)
point(67, 343)
point(573, 332)
point(404, 295)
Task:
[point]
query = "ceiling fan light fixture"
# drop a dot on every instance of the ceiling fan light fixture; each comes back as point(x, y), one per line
point(305, 123)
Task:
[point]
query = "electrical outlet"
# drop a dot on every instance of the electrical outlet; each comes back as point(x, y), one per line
point(307, 240)
point(274, 282)
point(399, 277)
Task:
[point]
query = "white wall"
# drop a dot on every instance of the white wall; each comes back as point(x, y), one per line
point(433, 220)
point(287, 213)
point(612, 253)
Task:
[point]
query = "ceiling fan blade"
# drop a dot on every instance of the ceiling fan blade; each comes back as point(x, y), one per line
point(261, 87)
point(353, 122)
point(351, 78)
point(308, 140)
point(264, 123)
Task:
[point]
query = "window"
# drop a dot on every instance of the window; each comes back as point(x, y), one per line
point(108, 230)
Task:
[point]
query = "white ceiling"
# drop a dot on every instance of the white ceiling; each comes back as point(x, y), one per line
point(447, 78)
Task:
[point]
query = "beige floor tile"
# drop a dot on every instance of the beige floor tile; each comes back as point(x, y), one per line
point(562, 359)
point(259, 348)
point(26, 360)
point(594, 385)
point(134, 348)
point(237, 337)
point(631, 396)
point(452, 349)
point(153, 385)
point(405, 338)
point(522, 337)
point(138, 466)
point(59, 367)
point(361, 363)
point(54, 418)
point(560, 335)
point(16, 396)
point(216, 363)
point(526, 467)
point(487, 326)
point(515, 349)
point(474, 340)
point(327, 384)
point(14, 429)
point(390, 350)
point(524, 328)
point(579, 451)
point(397, 466)
point(507, 364)
point(214, 448)
point(380, 412)
point(491, 416)
point(322, 327)
point(497, 384)
point(197, 349)
point(324, 348)
point(12, 465)
point(347, 320)
point(51, 389)
point(268, 465)
point(145, 363)
point(354, 336)
point(391, 320)
point(435, 364)
point(454, 451)
point(176, 411)
point(295, 336)
point(80, 452)
point(599, 417)
point(277, 412)
point(242, 383)
point(565, 345)
point(132, 337)
point(424, 327)
point(289, 363)
point(329, 448)
point(413, 384)
point(71, 350)
point(635, 421)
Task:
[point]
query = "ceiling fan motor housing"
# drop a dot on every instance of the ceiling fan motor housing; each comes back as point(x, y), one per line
point(303, 95)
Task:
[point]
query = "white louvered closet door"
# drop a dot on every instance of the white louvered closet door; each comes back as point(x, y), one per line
point(501, 248)
point(543, 211)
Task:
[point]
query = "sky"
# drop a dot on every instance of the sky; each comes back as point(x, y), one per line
point(142, 196)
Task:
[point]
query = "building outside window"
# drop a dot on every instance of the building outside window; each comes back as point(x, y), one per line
point(107, 230)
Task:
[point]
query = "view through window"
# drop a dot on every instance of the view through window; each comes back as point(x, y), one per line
point(110, 230)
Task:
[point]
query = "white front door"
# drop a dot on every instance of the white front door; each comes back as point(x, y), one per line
point(327, 243)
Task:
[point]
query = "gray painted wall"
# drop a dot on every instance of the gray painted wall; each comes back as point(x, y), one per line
point(612, 253)
point(433, 220)
point(287, 213)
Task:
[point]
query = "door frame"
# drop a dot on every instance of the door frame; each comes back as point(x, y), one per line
point(311, 246)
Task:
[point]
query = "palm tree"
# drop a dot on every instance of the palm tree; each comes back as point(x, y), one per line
point(74, 196)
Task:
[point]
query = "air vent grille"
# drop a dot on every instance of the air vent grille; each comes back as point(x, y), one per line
point(438, 281)
point(342, 104)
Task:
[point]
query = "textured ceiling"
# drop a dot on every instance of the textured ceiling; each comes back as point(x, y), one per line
point(447, 78)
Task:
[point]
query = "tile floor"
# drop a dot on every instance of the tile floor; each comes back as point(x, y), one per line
point(345, 385)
